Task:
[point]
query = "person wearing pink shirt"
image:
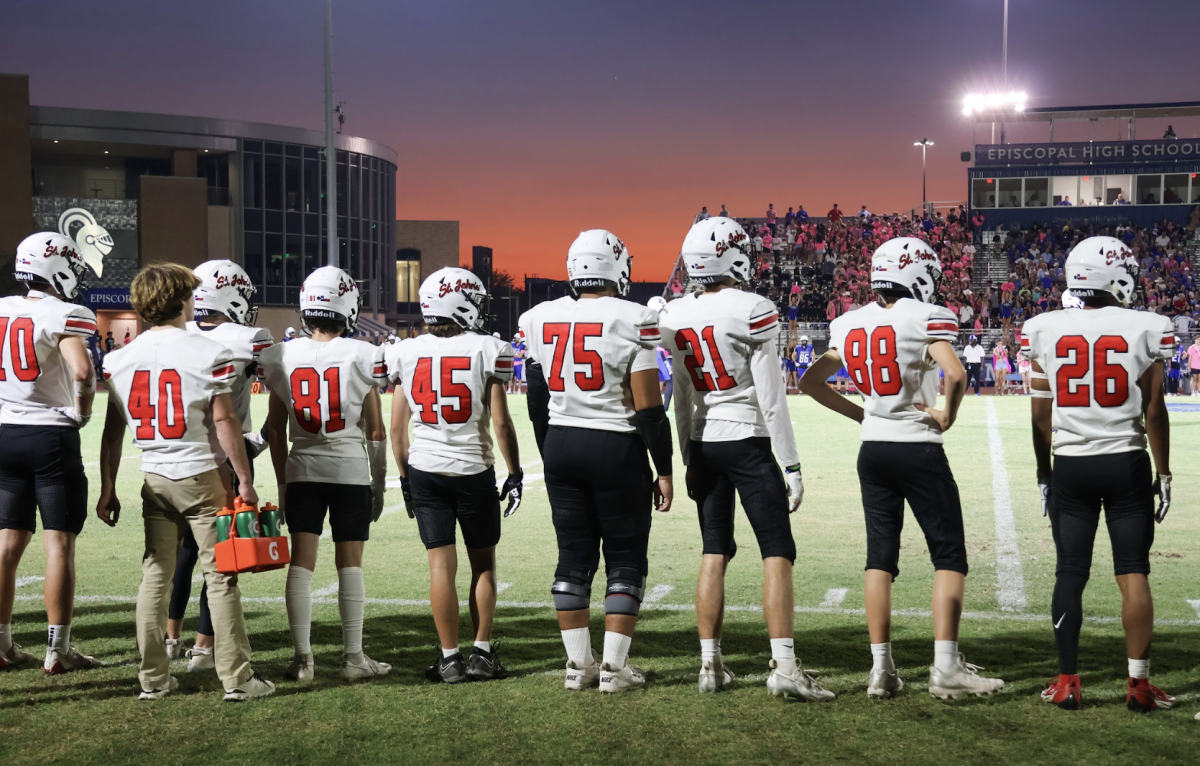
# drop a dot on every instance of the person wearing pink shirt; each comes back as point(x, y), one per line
point(772, 217)
point(1193, 356)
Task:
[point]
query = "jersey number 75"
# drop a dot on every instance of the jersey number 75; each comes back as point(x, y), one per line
point(562, 334)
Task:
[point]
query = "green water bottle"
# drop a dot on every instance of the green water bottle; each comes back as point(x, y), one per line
point(247, 523)
point(268, 521)
point(224, 522)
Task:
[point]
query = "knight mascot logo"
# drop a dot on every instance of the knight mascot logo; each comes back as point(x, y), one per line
point(92, 239)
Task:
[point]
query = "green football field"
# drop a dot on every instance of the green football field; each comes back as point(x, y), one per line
point(94, 717)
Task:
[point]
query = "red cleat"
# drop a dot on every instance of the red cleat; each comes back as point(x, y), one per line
point(1143, 697)
point(1064, 692)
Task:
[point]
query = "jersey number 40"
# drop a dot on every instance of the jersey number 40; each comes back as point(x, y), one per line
point(882, 373)
point(1110, 382)
point(157, 407)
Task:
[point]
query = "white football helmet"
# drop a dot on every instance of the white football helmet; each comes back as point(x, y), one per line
point(453, 295)
point(330, 293)
point(1069, 301)
point(908, 265)
point(597, 257)
point(54, 259)
point(225, 288)
point(717, 248)
point(658, 303)
point(1103, 265)
point(804, 339)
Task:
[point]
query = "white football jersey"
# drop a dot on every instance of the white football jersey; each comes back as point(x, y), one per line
point(886, 353)
point(324, 386)
point(35, 381)
point(446, 383)
point(164, 382)
point(712, 337)
point(587, 349)
point(245, 343)
point(1093, 359)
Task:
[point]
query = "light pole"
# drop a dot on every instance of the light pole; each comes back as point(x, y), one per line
point(924, 143)
point(1003, 65)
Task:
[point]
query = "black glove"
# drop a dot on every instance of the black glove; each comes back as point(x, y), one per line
point(513, 487)
point(406, 491)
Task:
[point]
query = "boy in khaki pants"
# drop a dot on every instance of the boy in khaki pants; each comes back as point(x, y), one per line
point(172, 388)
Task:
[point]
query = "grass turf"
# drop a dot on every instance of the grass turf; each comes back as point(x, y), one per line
point(94, 717)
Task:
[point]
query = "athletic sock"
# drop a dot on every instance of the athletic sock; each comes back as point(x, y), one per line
point(58, 638)
point(484, 646)
point(578, 643)
point(5, 638)
point(297, 596)
point(945, 655)
point(881, 657)
point(783, 651)
point(1066, 613)
point(352, 602)
point(1139, 668)
point(616, 649)
point(448, 653)
point(710, 649)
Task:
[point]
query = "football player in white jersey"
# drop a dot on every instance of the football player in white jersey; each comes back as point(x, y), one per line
point(325, 396)
point(596, 409)
point(732, 409)
point(46, 389)
point(224, 313)
point(172, 389)
point(1097, 400)
point(453, 379)
point(892, 350)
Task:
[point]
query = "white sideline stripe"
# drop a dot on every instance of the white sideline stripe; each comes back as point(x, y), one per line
point(1195, 602)
point(1010, 580)
point(548, 605)
point(502, 586)
point(658, 593)
point(835, 597)
point(23, 581)
point(328, 590)
point(197, 578)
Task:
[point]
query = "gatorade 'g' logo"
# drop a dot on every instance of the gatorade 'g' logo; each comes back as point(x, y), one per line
point(273, 551)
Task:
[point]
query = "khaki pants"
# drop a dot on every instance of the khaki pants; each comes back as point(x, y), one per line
point(168, 508)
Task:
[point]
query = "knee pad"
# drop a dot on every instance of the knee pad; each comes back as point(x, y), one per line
point(626, 586)
point(572, 591)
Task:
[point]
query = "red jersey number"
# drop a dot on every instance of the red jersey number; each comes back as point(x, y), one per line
point(872, 363)
point(427, 397)
point(20, 349)
point(688, 342)
point(1110, 382)
point(157, 407)
point(560, 334)
point(306, 399)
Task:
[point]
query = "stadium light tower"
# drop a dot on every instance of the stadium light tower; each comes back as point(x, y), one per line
point(924, 143)
point(998, 104)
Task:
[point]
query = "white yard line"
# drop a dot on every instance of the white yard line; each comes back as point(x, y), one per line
point(23, 581)
point(1195, 602)
point(835, 597)
point(1010, 580)
point(328, 590)
point(502, 586)
point(658, 593)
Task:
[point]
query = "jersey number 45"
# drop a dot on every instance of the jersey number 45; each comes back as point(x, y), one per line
point(428, 397)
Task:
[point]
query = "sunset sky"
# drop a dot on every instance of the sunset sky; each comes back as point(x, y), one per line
point(530, 120)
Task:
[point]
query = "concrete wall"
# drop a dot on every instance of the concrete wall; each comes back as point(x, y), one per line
point(220, 220)
point(278, 319)
point(174, 220)
point(437, 241)
point(16, 199)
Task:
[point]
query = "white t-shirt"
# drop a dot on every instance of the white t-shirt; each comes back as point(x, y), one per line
point(325, 386)
point(445, 381)
point(886, 353)
point(36, 383)
point(164, 381)
point(973, 354)
point(1093, 359)
point(587, 349)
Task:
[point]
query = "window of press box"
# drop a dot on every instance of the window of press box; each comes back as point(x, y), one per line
point(1009, 192)
point(1149, 190)
point(983, 192)
point(1175, 188)
point(1037, 192)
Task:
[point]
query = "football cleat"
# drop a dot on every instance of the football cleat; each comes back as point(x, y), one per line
point(614, 680)
point(714, 676)
point(963, 680)
point(302, 668)
point(1064, 691)
point(148, 695)
point(15, 656)
point(366, 668)
point(447, 670)
point(58, 663)
point(796, 686)
point(1142, 697)
point(173, 647)
point(200, 659)
point(883, 684)
point(485, 666)
point(254, 688)
point(579, 678)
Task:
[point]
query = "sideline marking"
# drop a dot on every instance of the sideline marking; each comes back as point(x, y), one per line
point(658, 593)
point(1010, 580)
point(23, 581)
point(1195, 602)
point(502, 586)
point(835, 597)
point(328, 590)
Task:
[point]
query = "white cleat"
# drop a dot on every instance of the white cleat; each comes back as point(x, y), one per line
point(579, 678)
point(714, 676)
point(302, 668)
point(614, 680)
point(200, 659)
point(149, 695)
point(15, 656)
point(254, 688)
point(963, 680)
point(173, 647)
point(362, 669)
point(883, 684)
point(64, 662)
point(797, 686)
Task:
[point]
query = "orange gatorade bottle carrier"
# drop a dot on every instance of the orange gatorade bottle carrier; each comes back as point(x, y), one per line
point(249, 540)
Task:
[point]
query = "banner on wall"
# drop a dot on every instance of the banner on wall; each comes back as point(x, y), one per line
point(107, 298)
point(1087, 152)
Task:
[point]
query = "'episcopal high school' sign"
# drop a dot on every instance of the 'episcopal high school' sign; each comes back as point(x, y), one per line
point(1087, 152)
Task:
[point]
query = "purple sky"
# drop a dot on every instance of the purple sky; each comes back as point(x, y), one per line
point(531, 120)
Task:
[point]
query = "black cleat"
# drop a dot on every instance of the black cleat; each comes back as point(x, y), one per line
point(485, 666)
point(447, 670)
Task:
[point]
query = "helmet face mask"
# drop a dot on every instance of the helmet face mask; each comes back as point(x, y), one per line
point(598, 258)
